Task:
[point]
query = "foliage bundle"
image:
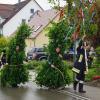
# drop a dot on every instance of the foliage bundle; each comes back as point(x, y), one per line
point(54, 72)
point(15, 72)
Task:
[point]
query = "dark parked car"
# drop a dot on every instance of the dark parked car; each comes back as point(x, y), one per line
point(69, 55)
point(36, 54)
point(39, 54)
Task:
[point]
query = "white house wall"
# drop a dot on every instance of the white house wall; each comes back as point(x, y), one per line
point(1, 19)
point(46, 5)
point(11, 26)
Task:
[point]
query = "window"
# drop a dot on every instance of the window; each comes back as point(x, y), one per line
point(33, 49)
point(23, 20)
point(32, 11)
point(40, 50)
point(38, 28)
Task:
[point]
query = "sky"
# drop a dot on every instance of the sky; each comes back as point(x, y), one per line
point(9, 1)
point(44, 3)
point(15, 1)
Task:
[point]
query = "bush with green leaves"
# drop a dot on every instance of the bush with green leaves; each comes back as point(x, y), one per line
point(98, 56)
point(3, 43)
point(94, 70)
point(92, 73)
point(15, 72)
point(34, 65)
point(54, 73)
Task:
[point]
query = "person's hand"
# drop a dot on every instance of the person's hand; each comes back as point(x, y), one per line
point(83, 36)
point(87, 70)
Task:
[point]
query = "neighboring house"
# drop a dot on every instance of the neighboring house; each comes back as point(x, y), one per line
point(11, 16)
point(40, 23)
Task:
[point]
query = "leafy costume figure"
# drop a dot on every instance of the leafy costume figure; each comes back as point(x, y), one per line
point(54, 73)
point(15, 72)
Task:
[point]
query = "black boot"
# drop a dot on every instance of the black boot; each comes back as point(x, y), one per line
point(81, 88)
point(75, 85)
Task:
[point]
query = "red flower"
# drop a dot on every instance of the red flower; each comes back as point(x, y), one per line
point(96, 77)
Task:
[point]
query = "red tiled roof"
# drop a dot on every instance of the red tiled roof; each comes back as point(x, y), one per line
point(41, 20)
point(7, 11)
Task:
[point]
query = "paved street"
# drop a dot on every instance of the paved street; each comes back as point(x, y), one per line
point(31, 92)
point(92, 93)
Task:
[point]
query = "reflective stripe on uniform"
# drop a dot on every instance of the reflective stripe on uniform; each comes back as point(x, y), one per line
point(75, 70)
point(76, 79)
point(80, 58)
point(85, 72)
point(81, 82)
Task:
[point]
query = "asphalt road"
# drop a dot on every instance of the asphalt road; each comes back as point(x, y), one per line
point(31, 92)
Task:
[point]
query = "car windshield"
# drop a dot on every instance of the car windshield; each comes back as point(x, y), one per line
point(40, 50)
point(32, 50)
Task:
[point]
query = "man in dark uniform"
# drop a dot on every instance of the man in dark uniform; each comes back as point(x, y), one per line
point(3, 57)
point(80, 66)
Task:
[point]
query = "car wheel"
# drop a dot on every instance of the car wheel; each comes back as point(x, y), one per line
point(43, 58)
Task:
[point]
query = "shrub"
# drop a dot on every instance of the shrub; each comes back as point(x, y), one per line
point(92, 72)
point(34, 65)
point(98, 56)
point(3, 43)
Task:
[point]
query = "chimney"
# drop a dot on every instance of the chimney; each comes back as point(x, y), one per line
point(38, 12)
point(19, 1)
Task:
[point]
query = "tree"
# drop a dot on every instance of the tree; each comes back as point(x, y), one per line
point(96, 37)
point(15, 72)
point(77, 21)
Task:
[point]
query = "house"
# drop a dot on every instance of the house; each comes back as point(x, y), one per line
point(11, 16)
point(46, 5)
point(40, 23)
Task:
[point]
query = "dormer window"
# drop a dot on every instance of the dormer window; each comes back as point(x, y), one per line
point(32, 11)
point(37, 28)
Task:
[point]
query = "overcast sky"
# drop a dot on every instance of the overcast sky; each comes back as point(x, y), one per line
point(9, 1)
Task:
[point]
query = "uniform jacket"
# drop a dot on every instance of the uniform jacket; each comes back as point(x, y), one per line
point(80, 64)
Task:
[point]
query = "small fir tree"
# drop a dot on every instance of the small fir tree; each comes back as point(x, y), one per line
point(15, 72)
